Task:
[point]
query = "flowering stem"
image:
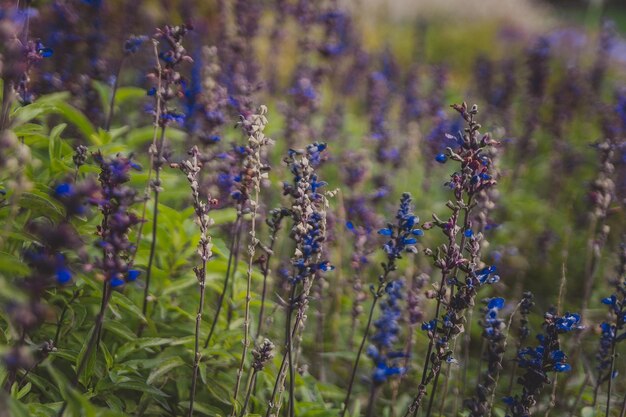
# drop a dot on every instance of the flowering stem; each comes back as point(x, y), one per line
point(289, 332)
point(155, 215)
point(346, 401)
point(610, 382)
point(251, 383)
point(107, 123)
point(246, 322)
point(292, 373)
point(266, 269)
point(192, 168)
point(506, 337)
point(7, 98)
point(57, 334)
point(430, 343)
point(152, 151)
point(197, 354)
point(229, 313)
point(374, 391)
point(234, 242)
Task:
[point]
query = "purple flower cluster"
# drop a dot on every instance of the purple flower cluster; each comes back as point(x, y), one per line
point(493, 327)
point(168, 81)
point(540, 360)
point(307, 211)
point(402, 235)
point(115, 203)
point(386, 361)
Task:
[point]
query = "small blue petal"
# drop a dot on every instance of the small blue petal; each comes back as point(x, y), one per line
point(496, 303)
point(46, 52)
point(468, 233)
point(441, 158)
point(385, 232)
point(64, 275)
point(562, 367)
point(117, 282)
point(63, 190)
point(133, 274)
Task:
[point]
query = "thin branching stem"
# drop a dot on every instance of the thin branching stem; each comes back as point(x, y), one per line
point(236, 232)
point(116, 83)
point(155, 221)
point(197, 355)
point(377, 295)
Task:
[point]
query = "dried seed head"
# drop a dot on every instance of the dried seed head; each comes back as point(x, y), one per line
point(262, 354)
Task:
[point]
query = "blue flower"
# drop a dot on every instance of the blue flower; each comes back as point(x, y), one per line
point(385, 232)
point(568, 322)
point(45, 52)
point(387, 330)
point(429, 325)
point(132, 275)
point(117, 282)
point(496, 303)
point(63, 190)
point(562, 367)
point(63, 275)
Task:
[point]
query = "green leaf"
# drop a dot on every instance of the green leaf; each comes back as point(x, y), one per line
point(119, 329)
point(206, 409)
point(137, 385)
point(41, 204)
point(82, 123)
point(166, 366)
point(17, 409)
point(120, 300)
point(12, 265)
point(91, 360)
point(125, 94)
point(25, 390)
point(138, 345)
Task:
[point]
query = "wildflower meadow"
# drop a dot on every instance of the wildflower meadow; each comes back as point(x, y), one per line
point(312, 208)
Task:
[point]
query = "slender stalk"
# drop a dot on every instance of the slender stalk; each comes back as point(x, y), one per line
point(610, 382)
point(281, 371)
point(289, 333)
point(107, 123)
point(292, 373)
point(255, 166)
point(7, 99)
point(266, 269)
point(371, 402)
point(431, 342)
point(57, 334)
point(466, 226)
point(197, 354)
point(346, 401)
point(251, 383)
point(623, 412)
point(235, 241)
point(192, 169)
point(153, 147)
point(155, 219)
point(506, 337)
point(231, 298)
